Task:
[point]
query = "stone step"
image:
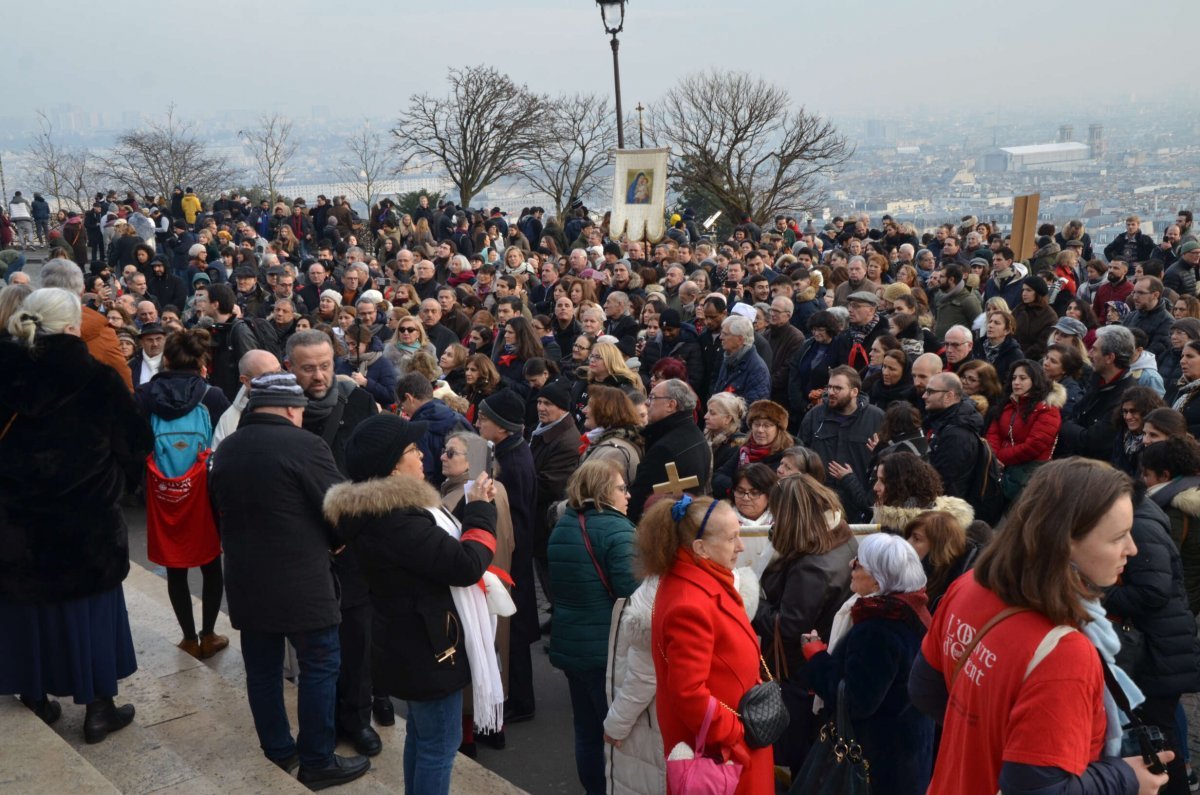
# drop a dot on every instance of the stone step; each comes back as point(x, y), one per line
point(36, 761)
point(214, 718)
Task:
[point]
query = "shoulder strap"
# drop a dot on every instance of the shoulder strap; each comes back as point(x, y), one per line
point(1117, 692)
point(1048, 644)
point(1006, 613)
point(587, 543)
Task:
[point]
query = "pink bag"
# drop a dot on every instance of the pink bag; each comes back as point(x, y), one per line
point(701, 775)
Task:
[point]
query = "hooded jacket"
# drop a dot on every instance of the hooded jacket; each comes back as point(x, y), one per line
point(409, 564)
point(1180, 500)
point(168, 288)
point(75, 435)
point(173, 393)
point(1018, 439)
point(954, 436)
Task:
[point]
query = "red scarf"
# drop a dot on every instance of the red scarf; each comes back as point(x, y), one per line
point(907, 607)
point(585, 442)
point(752, 453)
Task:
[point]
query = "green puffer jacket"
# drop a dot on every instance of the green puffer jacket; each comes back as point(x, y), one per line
point(582, 607)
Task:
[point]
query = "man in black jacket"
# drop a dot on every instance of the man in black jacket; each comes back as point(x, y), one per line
point(671, 436)
point(1132, 245)
point(166, 287)
point(334, 409)
point(555, 449)
point(953, 426)
point(1089, 430)
point(278, 579)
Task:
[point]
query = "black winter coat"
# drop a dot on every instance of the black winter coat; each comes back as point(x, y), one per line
point(954, 439)
point(1003, 358)
point(1156, 324)
point(73, 436)
point(516, 472)
point(267, 486)
point(555, 457)
point(1152, 596)
point(844, 442)
point(168, 289)
point(409, 563)
point(674, 438)
point(1090, 432)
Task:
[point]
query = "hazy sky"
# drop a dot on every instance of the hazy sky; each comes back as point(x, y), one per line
point(859, 57)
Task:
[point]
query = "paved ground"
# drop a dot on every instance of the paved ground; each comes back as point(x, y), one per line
point(540, 756)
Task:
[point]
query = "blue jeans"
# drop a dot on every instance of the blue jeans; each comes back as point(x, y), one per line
point(589, 706)
point(319, 656)
point(433, 732)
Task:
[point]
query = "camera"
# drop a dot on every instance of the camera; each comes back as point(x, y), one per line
point(1145, 741)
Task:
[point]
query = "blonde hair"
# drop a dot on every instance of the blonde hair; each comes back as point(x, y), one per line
point(614, 361)
point(591, 483)
point(49, 310)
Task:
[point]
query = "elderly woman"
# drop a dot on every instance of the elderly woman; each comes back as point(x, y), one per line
point(742, 370)
point(62, 610)
point(802, 588)
point(611, 431)
point(456, 467)
point(423, 565)
point(1183, 331)
point(801, 459)
point(875, 638)
point(692, 546)
point(767, 440)
point(722, 422)
point(591, 566)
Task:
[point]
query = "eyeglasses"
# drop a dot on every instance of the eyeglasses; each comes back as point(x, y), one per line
point(583, 348)
point(652, 398)
point(1140, 292)
point(929, 391)
point(407, 330)
point(747, 494)
point(450, 454)
point(950, 344)
point(595, 357)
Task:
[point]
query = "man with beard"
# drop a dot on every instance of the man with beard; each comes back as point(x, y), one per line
point(166, 288)
point(1117, 287)
point(838, 429)
point(858, 282)
point(251, 297)
point(1006, 279)
point(335, 408)
point(955, 304)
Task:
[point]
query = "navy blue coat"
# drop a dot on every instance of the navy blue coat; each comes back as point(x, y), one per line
point(748, 377)
point(875, 658)
point(443, 421)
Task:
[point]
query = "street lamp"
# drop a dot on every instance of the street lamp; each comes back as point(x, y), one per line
point(612, 13)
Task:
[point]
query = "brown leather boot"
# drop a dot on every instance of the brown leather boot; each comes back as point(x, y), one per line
point(212, 643)
point(192, 647)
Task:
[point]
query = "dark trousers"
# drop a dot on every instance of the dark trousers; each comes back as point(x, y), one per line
point(589, 706)
point(318, 655)
point(354, 677)
point(1160, 711)
point(96, 249)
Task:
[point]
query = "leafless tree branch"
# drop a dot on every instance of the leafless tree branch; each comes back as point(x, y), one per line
point(272, 147)
point(577, 145)
point(369, 161)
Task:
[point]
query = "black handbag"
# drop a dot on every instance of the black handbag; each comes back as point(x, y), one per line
point(763, 713)
point(835, 764)
point(1133, 646)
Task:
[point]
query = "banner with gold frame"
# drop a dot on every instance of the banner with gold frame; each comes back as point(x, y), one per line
point(639, 194)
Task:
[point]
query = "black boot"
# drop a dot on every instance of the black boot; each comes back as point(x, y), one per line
point(343, 770)
point(45, 708)
point(385, 713)
point(103, 717)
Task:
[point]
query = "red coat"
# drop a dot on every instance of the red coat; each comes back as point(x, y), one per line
point(703, 645)
point(1032, 437)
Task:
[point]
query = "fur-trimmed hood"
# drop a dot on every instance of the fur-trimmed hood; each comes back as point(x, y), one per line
point(898, 516)
point(1057, 397)
point(348, 504)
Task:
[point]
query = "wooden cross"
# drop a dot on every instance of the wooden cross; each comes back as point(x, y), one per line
point(675, 484)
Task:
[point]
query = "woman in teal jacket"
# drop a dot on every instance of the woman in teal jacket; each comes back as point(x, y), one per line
point(591, 565)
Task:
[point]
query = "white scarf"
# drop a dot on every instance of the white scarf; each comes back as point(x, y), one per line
point(1099, 630)
point(841, 625)
point(479, 637)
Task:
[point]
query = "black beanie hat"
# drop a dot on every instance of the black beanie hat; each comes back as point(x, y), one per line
point(377, 444)
point(1037, 284)
point(557, 393)
point(670, 319)
point(505, 409)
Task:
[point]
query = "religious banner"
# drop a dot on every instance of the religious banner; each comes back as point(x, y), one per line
point(639, 194)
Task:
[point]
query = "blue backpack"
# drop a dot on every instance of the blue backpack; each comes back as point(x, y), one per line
point(179, 442)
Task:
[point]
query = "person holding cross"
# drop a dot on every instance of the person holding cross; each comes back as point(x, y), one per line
point(673, 439)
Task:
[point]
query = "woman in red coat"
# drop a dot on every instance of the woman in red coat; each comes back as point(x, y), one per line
point(701, 638)
point(1026, 430)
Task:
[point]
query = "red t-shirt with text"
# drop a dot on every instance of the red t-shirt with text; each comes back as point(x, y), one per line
point(1055, 718)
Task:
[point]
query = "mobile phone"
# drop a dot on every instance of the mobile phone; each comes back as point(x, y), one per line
point(730, 284)
point(481, 457)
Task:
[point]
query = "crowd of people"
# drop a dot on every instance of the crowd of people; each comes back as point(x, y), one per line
point(830, 459)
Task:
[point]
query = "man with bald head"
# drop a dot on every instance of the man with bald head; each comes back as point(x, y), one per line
point(926, 366)
point(252, 364)
point(953, 426)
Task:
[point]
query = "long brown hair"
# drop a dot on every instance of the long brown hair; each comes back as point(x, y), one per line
point(660, 536)
point(1028, 563)
point(947, 541)
point(800, 504)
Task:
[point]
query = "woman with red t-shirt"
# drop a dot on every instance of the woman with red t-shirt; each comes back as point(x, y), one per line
point(1020, 692)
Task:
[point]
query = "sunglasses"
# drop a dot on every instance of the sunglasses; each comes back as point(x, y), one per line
point(407, 330)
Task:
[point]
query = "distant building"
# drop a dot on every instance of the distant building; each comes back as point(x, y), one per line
point(1038, 156)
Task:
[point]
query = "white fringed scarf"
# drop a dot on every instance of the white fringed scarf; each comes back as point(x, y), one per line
point(479, 637)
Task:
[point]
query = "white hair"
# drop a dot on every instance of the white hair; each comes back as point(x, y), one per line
point(960, 329)
point(739, 326)
point(61, 273)
point(892, 562)
point(729, 404)
point(46, 311)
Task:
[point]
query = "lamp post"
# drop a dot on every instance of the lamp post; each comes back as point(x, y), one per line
point(612, 13)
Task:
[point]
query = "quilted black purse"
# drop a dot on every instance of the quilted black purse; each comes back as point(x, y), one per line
point(763, 713)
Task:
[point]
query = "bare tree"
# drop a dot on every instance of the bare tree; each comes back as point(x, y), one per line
point(369, 161)
point(272, 147)
point(164, 154)
point(56, 169)
point(479, 132)
point(577, 145)
point(738, 140)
